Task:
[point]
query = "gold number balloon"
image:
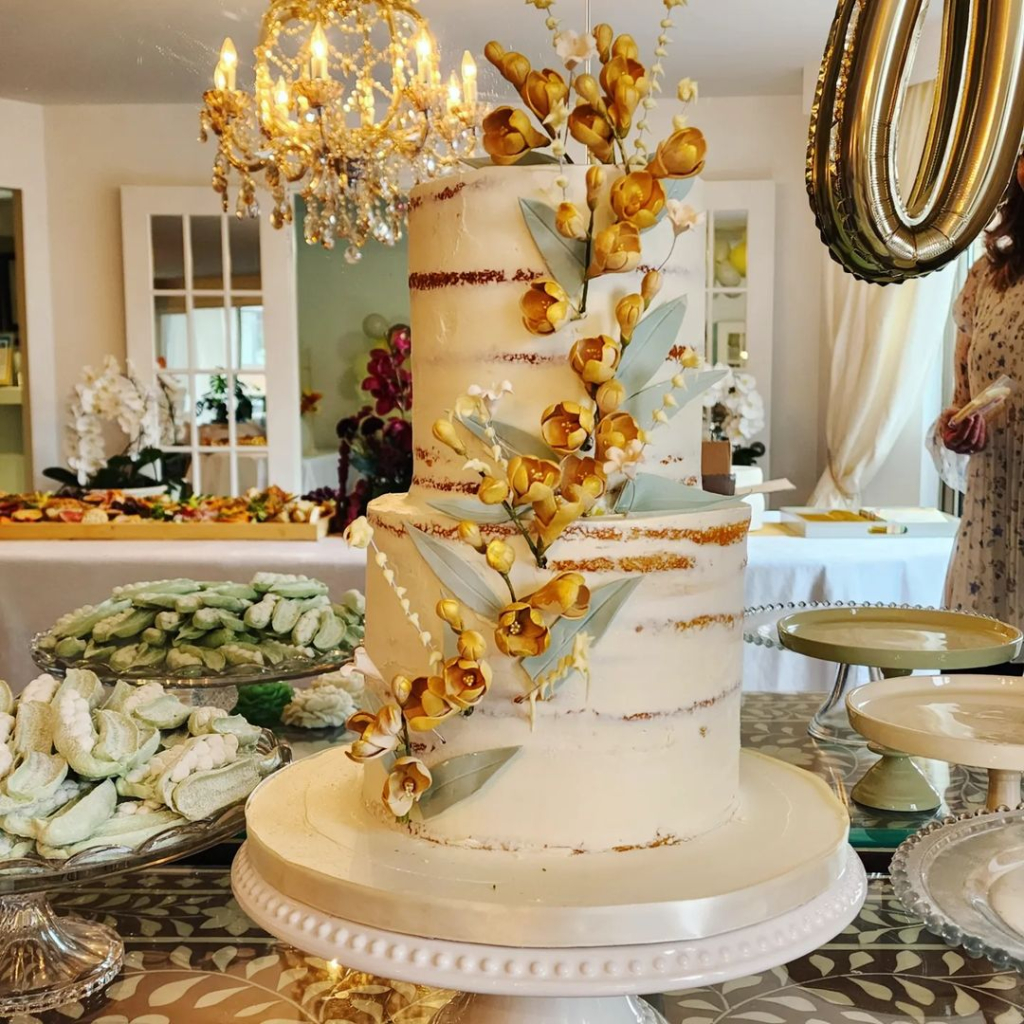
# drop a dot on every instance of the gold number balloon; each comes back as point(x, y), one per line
point(877, 231)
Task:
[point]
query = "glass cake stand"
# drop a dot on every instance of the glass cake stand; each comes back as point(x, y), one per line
point(45, 960)
point(222, 686)
point(891, 640)
point(964, 877)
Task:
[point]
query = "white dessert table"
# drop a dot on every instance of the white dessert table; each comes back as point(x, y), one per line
point(40, 580)
point(904, 570)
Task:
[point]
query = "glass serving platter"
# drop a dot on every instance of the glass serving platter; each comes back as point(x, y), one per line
point(964, 877)
point(45, 960)
point(240, 675)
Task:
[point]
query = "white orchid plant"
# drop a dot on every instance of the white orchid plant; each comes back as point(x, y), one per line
point(146, 415)
point(734, 408)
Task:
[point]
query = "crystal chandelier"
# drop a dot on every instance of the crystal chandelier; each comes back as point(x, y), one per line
point(348, 104)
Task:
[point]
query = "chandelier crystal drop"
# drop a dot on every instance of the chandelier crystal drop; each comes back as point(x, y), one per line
point(348, 107)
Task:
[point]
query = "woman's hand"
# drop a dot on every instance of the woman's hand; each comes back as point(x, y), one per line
point(967, 437)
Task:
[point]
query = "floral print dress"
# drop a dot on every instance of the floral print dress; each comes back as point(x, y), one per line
point(986, 574)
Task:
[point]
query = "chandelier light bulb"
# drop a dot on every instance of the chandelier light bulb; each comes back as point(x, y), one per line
point(281, 95)
point(469, 79)
point(228, 63)
point(424, 56)
point(319, 51)
point(454, 92)
point(220, 78)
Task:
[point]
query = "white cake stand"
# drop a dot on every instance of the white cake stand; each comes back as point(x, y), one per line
point(584, 985)
point(545, 937)
point(976, 721)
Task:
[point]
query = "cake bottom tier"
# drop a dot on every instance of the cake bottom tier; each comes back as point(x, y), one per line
point(645, 752)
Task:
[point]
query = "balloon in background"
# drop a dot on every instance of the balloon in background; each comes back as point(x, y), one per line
point(977, 121)
point(727, 275)
point(375, 326)
point(721, 249)
point(738, 257)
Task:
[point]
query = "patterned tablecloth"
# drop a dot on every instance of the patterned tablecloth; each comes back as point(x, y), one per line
point(194, 958)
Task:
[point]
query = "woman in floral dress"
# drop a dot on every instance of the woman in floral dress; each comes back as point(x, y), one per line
point(986, 574)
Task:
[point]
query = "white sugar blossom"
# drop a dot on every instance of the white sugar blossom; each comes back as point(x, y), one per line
point(476, 466)
point(688, 90)
point(682, 215)
point(558, 117)
point(359, 534)
point(575, 47)
point(625, 460)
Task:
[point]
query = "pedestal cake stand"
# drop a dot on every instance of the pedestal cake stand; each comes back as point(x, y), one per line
point(548, 938)
point(976, 721)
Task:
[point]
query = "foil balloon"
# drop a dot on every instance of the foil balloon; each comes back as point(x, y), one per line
point(877, 231)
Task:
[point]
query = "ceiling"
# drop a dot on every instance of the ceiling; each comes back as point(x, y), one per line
point(144, 51)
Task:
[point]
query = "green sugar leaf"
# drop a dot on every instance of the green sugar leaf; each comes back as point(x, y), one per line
point(652, 342)
point(455, 575)
point(461, 777)
point(564, 256)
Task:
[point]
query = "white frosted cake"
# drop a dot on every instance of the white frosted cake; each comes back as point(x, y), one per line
point(645, 752)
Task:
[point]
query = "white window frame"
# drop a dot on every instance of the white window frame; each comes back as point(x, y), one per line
point(757, 200)
point(280, 320)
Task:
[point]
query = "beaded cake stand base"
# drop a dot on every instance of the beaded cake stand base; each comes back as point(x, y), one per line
point(587, 985)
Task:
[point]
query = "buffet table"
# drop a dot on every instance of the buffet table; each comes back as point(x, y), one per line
point(40, 580)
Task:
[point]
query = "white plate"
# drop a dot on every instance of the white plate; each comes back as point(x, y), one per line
point(311, 837)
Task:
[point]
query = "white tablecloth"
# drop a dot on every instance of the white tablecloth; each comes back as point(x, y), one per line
point(40, 580)
point(901, 569)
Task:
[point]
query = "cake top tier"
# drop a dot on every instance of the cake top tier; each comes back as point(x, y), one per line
point(500, 296)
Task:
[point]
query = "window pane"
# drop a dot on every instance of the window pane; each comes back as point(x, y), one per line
point(729, 328)
point(207, 254)
point(168, 252)
point(170, 332)
point(215, 477)
point(252, 472)
point(252, 409)
point(247, 332)
point(730, 249)
point(208, 322)
point(244, 238)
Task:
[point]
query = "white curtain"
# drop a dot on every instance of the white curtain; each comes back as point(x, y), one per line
point(883, 341)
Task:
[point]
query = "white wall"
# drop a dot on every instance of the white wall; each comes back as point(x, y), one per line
point(90, 152)
point(23, 167)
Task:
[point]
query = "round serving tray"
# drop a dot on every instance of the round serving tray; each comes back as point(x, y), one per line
point(964, 877)
point(900, 638)
point(242, 675)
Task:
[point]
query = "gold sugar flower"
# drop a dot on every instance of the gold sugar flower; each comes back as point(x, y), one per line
point(542, 92)
point(514, 67)
point(492, 491)
point(625, 46)
point(407, 781)
point(545, 307)
point(595, 359)
point(379, 734)
point(610, 396)
point(465, 682)
point(469, 533)
point(569, 222)
point(590, 127)
point(627, 312)
point(567, 594)
point(521, 632)
point(616, 250)
point(567, 426)
point(508, 135)
point(603, 36)
point(595, 182)
point(428, 705)
point(446, 433)
point(650, 286)
point(681, 155)
point(638, 198)
point(585, 473)
point(471, 645)
point(450, 611)
point(616, 431)
point(500, 556)
point(531, 479)
point(552, 518)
